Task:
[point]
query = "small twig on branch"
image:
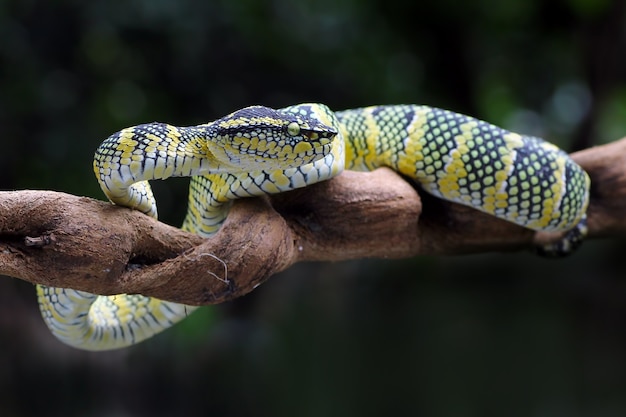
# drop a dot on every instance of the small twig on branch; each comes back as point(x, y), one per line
point(62, 240)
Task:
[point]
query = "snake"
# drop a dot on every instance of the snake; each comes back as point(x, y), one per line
point(258, 151)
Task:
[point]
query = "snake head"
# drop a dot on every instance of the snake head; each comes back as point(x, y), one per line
point(261, 138)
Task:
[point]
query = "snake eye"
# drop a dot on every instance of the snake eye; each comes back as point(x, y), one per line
point(293, 129)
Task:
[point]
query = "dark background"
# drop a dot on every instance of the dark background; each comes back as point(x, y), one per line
point(486, 335)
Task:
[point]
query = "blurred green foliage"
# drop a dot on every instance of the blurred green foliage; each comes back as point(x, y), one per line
point(488, 335)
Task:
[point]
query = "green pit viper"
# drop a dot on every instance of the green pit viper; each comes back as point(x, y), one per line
point(258, 150)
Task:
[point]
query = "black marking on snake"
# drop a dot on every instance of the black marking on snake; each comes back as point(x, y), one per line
point(167, 307)
point(121, 330)
point(153, 317)
point(60, 304)
point(266, 178)
point(98, 333)
point(145, 319)
point(131, 331)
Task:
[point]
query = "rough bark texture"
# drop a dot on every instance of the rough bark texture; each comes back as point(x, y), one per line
point(62, 240)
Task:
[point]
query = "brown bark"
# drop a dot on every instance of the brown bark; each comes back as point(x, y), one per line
point(62, 240)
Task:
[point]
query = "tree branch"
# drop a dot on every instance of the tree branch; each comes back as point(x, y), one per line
point(62, 240)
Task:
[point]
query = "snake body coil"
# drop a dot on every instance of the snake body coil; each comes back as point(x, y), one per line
point(258, 150)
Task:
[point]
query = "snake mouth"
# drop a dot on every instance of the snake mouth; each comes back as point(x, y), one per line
point(273, 156)
point(318, 135)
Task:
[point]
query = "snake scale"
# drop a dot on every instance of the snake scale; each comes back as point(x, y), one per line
point(259, 150)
